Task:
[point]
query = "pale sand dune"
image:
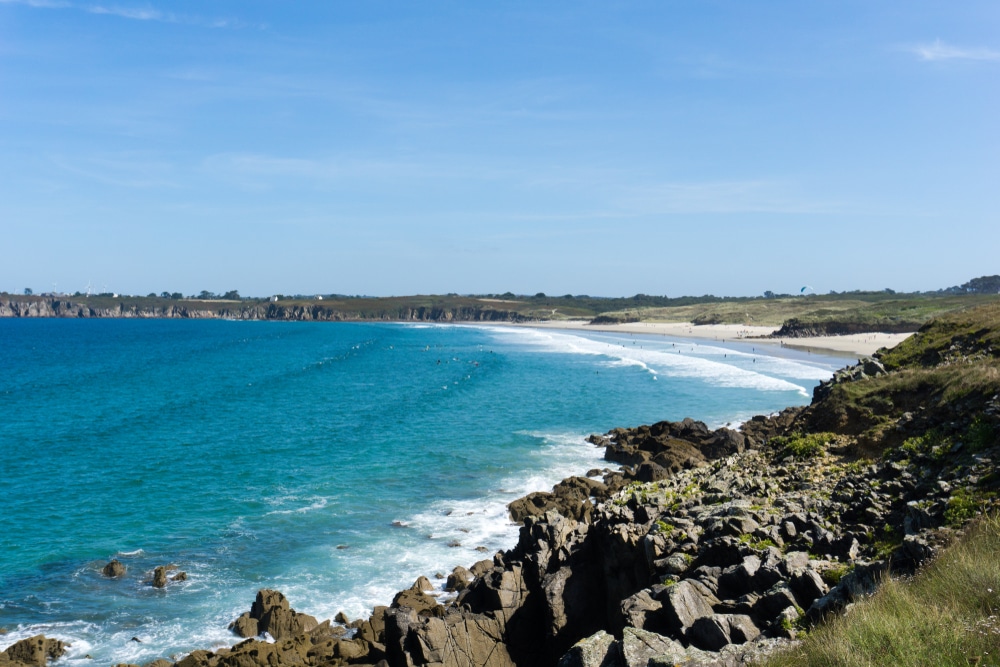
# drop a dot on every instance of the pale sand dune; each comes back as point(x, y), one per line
point(849, 345)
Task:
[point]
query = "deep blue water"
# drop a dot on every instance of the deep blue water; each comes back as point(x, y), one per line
point(260, 454)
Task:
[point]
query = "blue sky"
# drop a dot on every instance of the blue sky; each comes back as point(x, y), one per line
point(604, 148)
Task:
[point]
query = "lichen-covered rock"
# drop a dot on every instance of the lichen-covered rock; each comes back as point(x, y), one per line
point(638, 647)
point(598, 650)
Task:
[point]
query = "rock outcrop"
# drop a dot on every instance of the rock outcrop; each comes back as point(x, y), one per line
point(113, 569)
point(32, 652)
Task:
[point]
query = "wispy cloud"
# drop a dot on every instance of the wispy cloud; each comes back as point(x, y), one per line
point(126, 170)
point(41, 4)
point(938, 50)
point(719, 197)
point(145, 13)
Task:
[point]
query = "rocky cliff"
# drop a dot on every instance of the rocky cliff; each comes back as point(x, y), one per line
point(47, 307)
point(705, 547)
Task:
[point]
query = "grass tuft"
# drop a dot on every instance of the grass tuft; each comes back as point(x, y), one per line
point(948, 615)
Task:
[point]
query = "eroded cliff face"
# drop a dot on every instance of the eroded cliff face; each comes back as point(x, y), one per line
point(271, 311)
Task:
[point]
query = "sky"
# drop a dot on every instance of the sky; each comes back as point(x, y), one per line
point(670, 147)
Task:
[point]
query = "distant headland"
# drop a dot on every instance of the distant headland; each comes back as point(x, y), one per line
point(782, 315)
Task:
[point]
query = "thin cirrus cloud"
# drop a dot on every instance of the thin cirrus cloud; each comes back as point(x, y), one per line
point(723, 197)
point(133, 13)
point(938, 51)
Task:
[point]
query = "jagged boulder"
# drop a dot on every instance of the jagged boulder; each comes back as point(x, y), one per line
point(418, 601)
point(271, 613)
point(642, 611)
point(638, 647)
point(598, 650)
point(683, 604)
point(458, 580)
point(714, 632)
point(458, 639)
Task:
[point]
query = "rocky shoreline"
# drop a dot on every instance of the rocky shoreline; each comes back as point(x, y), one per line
point(706, 547)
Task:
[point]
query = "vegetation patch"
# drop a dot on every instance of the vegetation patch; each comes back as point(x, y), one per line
point(963, 506)
point(948, 615)
point(807, 445)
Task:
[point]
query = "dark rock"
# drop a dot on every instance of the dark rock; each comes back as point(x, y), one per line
point(160, 576)
point(245, 626)
point(271, 613)
point(639, 646)
point(458, 579)
point(736, 580)
point(742, 629)
point(709, 632)
point(415, 600)
point(113, 569)
point(572, 605)
point(651, 472)
point(683, 604)
point(180, 576)
point(777, 598)
point(481, 567)
point(598, 650)
point(808, 587)
point(794, 562)
point(642, 611)
point(723, 442)
point(456, 640)
point(714, 632)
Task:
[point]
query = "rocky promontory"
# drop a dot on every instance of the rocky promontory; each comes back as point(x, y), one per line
point(707, 547)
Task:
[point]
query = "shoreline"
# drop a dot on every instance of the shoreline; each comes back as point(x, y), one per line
point(730, 334)
point(847, 346)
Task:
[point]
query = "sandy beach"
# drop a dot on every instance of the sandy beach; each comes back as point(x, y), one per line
point(849, 345)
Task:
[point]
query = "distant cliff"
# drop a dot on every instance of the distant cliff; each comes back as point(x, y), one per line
point(67, 308)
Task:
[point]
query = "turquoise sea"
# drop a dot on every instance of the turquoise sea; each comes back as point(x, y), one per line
point(335, 462)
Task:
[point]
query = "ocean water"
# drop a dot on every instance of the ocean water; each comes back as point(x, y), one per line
point(334, 462)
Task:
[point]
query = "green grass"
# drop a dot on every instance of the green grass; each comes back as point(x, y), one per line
point(871, 310)
point(948, 615)
point(874, 405)
point(972, 330)
point(804, 446)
